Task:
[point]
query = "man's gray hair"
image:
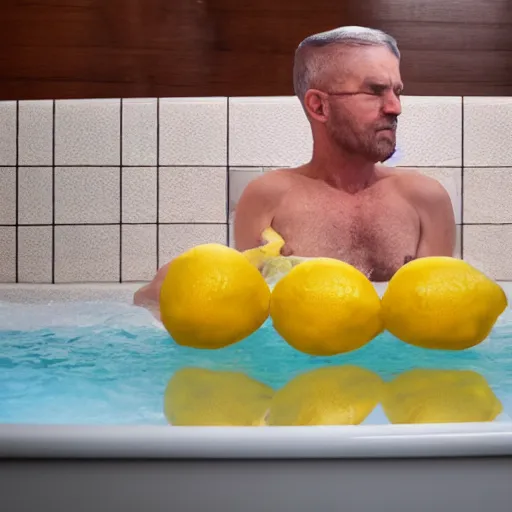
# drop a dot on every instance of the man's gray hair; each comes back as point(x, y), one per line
point(307, 65)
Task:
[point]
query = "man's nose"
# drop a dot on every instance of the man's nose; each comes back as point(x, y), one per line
point(392, 104)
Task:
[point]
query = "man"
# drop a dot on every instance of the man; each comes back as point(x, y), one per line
point(343, 203)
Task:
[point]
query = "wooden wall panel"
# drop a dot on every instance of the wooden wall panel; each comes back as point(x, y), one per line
point(133, 48)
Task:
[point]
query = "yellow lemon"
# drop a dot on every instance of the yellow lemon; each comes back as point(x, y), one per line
point(272, 248)
point(200, 397)
point(268, 259)
point(334, 395)
point(212, 297)
point(276, 268)
point(325, 307)
point(441, 303)
point(440, 396)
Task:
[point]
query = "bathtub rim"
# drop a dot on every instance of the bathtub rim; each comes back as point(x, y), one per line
point(33, 293)
point(165, 442)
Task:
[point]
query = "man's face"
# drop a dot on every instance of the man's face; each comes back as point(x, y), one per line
point(364, 123)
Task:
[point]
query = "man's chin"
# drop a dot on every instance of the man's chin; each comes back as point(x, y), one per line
point(385, 151)
point(387, 156)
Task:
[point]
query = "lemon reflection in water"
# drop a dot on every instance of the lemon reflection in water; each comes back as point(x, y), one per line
point(332, 395)
point(440, 396)
point(201, 397)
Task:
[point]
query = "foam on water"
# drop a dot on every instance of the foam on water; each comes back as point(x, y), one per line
point(109, 363)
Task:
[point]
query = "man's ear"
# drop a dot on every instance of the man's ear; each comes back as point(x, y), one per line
point(316, 105)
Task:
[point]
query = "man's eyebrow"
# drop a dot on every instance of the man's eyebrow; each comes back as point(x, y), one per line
point(381, 84)
point(375, 81)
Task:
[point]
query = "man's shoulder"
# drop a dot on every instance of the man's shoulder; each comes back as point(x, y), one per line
point(281, 174)
point(418, 187)
point(256, 207)
point(273, 182)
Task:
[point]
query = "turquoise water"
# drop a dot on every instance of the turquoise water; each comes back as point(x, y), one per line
point(109, 363)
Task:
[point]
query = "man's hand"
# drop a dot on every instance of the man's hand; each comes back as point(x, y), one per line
point(149, 295)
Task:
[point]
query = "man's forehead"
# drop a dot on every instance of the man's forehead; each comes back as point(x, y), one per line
point(369, 64)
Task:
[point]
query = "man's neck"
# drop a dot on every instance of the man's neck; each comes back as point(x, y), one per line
point(350, 173)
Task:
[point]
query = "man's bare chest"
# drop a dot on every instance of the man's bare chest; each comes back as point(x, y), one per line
point(375, 234)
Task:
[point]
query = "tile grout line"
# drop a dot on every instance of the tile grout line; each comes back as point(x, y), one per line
point(53, 189)
point(157, 183)
point(228, 238)
point(29, 224)
point(33, 225)
point(17, 178)
point(244, 168)
point(462, 182)
point(178, 166)
point(487, 224)
point(120, 190)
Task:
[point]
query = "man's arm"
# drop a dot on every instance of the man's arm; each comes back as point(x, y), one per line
point(256, 208)
point(254, 213)
point(437, 222)
point(148, 296)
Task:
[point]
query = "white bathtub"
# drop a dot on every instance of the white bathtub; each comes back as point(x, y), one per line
point(404, 468)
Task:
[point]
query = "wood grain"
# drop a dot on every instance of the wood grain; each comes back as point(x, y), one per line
point(140, 48)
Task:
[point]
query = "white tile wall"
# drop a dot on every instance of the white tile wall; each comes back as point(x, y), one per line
point(7, 195)
point(35, 192)
point(457, 253)
point(169, 176)
point(138, 252)
point(87, 195)
point(87, 132)
point(430, 131)
point(193, 131)
point(7, 133)
point(193, 194)
point(487, 132)
point(35, 132)
point(268, 132)
point(239, 178)
point(176, 238)
point(488, 195)
point(140, 131)
point(8, 252)
point(86, 253)
point(488, 248)
point(139, 192)
point(35, 254)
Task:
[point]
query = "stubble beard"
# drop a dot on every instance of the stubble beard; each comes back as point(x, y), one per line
point(375, 146)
